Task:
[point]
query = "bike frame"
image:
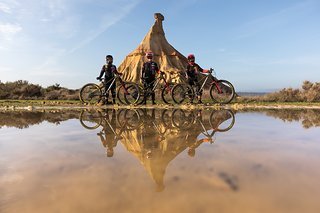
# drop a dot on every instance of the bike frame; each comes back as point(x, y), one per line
point(213, 82)
point(109, 88)
point(113, 80)
point(156, 82)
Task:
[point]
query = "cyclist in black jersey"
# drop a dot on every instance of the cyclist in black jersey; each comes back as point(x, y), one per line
point(149, 71)
point(109, 70)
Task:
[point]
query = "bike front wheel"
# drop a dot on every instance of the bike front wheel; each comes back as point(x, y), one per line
point(90, 94)
point(182, 119)
point(166, 94)
point(130, 92)
point(222, 120)
point(222, 92)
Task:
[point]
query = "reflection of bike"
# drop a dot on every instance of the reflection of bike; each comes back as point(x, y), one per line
point(221, 91)
point(91, 93)
point(125, 118)
point(165, 90)
point(114, 123)
point(219, 120)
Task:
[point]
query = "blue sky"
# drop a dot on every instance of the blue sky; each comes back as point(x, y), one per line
point(257, 45)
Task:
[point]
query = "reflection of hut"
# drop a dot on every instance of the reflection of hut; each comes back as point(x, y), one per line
point(169, 59)
point(155, 152)
point(155, 160)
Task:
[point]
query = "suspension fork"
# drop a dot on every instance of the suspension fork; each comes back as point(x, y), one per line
point(217, 86)
point(166, 84)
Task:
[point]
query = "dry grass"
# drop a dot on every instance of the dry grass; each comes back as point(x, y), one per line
point(23, 90)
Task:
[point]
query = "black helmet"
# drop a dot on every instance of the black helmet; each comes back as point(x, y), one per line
point(109, 59)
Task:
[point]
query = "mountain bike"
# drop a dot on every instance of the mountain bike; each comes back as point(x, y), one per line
point(221, 91)
point(127, 93)
point(152, 87)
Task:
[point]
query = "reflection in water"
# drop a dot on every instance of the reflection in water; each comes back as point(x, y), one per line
point(24, 119)
point(260, 165)
point(308, 117)
point(156, 137)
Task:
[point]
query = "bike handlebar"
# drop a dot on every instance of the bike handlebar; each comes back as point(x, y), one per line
point(100, 79)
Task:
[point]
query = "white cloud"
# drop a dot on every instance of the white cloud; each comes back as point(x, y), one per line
point(7, 30)
point(5, 8)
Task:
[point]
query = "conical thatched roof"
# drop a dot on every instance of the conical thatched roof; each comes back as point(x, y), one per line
point(168, 58)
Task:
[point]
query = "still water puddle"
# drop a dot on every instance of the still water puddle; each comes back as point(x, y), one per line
point(165, 160)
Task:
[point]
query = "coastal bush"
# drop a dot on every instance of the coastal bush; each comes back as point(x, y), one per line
point(309, 92)
point(23, 90)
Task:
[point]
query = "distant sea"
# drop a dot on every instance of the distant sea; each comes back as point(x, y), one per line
point(252, 93)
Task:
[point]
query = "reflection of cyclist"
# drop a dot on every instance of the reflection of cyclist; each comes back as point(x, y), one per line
point(192, 72)
point(109, 140)
point(192, 135)
point(150, 140)
point(149, 71)
point(109, 70)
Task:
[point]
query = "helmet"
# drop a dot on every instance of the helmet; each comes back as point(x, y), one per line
point(109, 56)
point(191, 58)
point(149, 55)
point(109, 59)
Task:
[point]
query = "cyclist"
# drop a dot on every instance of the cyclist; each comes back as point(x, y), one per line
point(192, 72)
point(109, 70)
point(149, 71)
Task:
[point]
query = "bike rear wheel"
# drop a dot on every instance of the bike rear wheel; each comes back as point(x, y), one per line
point(90, 119)
point(180, 92)
point(90, 94)
point(222, 92)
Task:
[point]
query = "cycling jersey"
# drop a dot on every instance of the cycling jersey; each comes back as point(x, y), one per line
point(193, 70)
point(149, 71)
point(108, 70)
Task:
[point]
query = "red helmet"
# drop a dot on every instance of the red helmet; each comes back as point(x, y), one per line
point(191, 58)
point(149, 55)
